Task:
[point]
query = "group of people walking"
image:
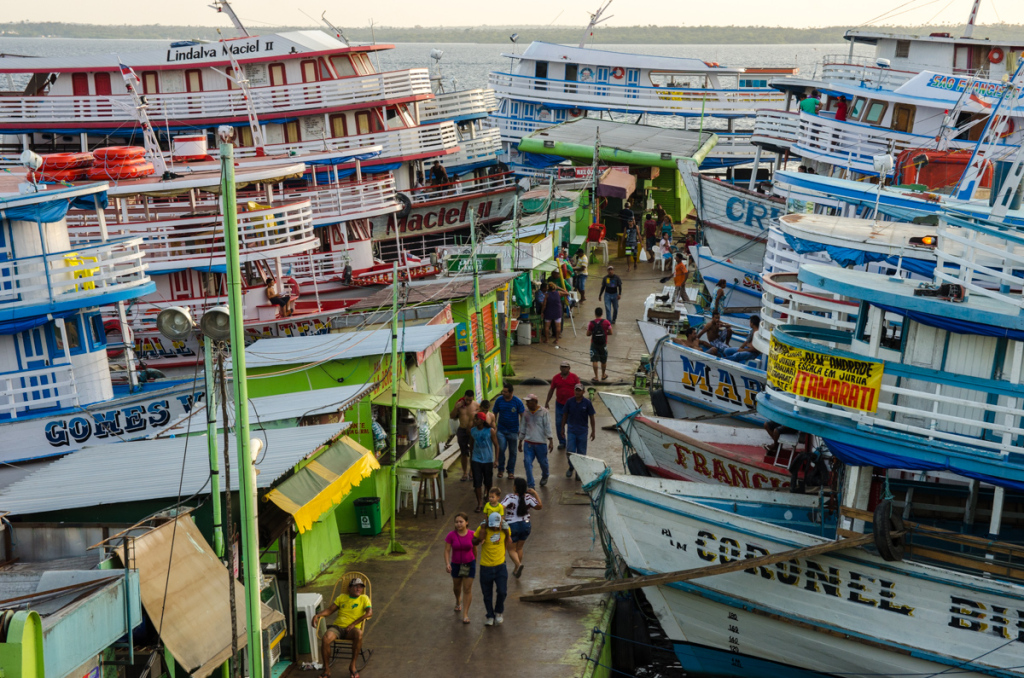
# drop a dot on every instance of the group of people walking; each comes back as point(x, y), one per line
point(491, 437)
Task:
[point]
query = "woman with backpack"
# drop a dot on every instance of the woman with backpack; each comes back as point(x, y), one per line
point(517, 514)
point(599, 330)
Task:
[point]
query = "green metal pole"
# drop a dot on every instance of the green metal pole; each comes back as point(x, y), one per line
point(507, 369)
point(394, 546)
point(246, 470)
point(211, 446)
point(481, 344)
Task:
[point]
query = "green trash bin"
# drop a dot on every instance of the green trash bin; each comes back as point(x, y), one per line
point(368, 513)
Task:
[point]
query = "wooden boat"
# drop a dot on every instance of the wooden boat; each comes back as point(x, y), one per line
point(701, 452)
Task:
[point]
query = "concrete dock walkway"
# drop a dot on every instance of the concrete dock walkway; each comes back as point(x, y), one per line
point(414, 630)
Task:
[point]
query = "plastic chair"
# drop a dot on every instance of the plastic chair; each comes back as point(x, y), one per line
point(408, 488)
point(591, 246)
point(341, 648)
point(72, 260)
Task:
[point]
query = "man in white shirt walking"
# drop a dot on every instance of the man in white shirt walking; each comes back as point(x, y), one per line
point(535, 433)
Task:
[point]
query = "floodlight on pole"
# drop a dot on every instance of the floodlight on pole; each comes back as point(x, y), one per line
point(175, 323)
point(216, 323)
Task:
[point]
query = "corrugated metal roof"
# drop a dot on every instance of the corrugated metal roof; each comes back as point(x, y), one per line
point(420, 292)
point(323, 347)
point(266, 409)
point(150, 469)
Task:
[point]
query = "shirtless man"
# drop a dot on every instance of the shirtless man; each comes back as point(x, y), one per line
point(465, 411)
point(689, 338)
point(718, 334)
point(285, 301)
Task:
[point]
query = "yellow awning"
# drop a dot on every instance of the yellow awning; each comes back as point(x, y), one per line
point(321, 484)
point(411, 400)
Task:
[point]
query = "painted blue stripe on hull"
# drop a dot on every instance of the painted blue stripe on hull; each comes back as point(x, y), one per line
point(710, 662)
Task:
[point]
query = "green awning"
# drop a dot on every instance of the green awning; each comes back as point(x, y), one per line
point(321, 484)
point(411, 400)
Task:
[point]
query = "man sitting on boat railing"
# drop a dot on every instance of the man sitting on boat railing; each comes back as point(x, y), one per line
point(285, 301)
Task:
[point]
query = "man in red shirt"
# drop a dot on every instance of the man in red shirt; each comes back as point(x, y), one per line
point(599, 330)
point(650, 235)
point(563, 387)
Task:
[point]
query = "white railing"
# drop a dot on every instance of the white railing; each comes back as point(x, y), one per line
point(785, 302)
point(347, 201)
point(462, 189)
point(84, 275)
point(633, 98)
point(866, 72)
point(484, 148)
point(425, 140)
point(199, 240)
point(28, 390)
point(853, 145)
point(358, 90)
point(989, 257)
point(464, 105)
point(776, 128)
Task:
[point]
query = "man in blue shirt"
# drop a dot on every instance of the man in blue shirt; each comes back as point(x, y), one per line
point(508, 409)
point(578, 412)
point(482, 461)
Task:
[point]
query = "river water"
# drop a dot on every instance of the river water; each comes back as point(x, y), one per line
point(468, 63)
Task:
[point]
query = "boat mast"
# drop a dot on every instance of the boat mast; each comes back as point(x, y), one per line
point(238, 75)
point(149, 140)
point(970, 20)
point(596, 19)
point(225, 7)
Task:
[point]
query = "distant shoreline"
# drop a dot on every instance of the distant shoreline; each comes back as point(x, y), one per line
point(652, 35)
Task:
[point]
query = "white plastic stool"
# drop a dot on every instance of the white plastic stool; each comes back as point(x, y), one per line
point(309, 604)
point(591, 246)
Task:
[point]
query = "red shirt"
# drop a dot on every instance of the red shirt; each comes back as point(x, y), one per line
point(650, 228)
point(565, 387)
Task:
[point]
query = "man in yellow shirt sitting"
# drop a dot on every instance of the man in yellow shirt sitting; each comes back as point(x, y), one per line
point(496, 541)
point(353, 610)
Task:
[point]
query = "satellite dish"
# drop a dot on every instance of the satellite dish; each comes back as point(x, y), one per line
point(883, 63)
point(436, 54)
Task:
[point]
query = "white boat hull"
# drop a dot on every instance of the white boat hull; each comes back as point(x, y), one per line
point(735, 219)
point(450, 214)
point(697, 452)
point(844, 613)
point(696, 383)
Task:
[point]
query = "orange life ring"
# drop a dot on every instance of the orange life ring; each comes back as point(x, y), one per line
point(995, 55)
point(119, 153)
point(113, 326)
point(122, 171)
point(575, 112)
point(618, 72)
point(79, 174)
point(127, 162)
point(65, 161)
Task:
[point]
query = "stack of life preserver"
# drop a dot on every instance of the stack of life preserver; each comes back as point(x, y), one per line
point(63, 167)
point(104, 164)
point(120, 162)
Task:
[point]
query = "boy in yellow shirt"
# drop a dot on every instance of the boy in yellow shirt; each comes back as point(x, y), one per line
point(493, 504)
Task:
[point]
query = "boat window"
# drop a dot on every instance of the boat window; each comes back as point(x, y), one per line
point(395, 119)
point(875, 111)
point(277, 75)
point(970, 125)
point(99, 333)
point(902, 49)
point(856, 109)
point(339, 126)
point(244, 136)
point(150, 84)
point(309, 73)
point(749, 82)
point(571, 71)
point(343, 66)
point(540, 69)
point(102, 84)
point(230, 72)
point(362, 64)
point(193, 80)
point(362, 123)
point(291, 132)
point(677, 80)
point(71, 331)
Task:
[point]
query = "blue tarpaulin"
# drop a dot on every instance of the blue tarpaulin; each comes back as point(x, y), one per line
point(25, 324)
point(848, 256)
point(859, 456)
point(954, 325)
point(541, 160)
point(52, 210)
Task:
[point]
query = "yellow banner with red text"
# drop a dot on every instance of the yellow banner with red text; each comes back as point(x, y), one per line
point(833, 379)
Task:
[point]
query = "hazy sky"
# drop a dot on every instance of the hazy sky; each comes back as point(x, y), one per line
point(801, 13)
